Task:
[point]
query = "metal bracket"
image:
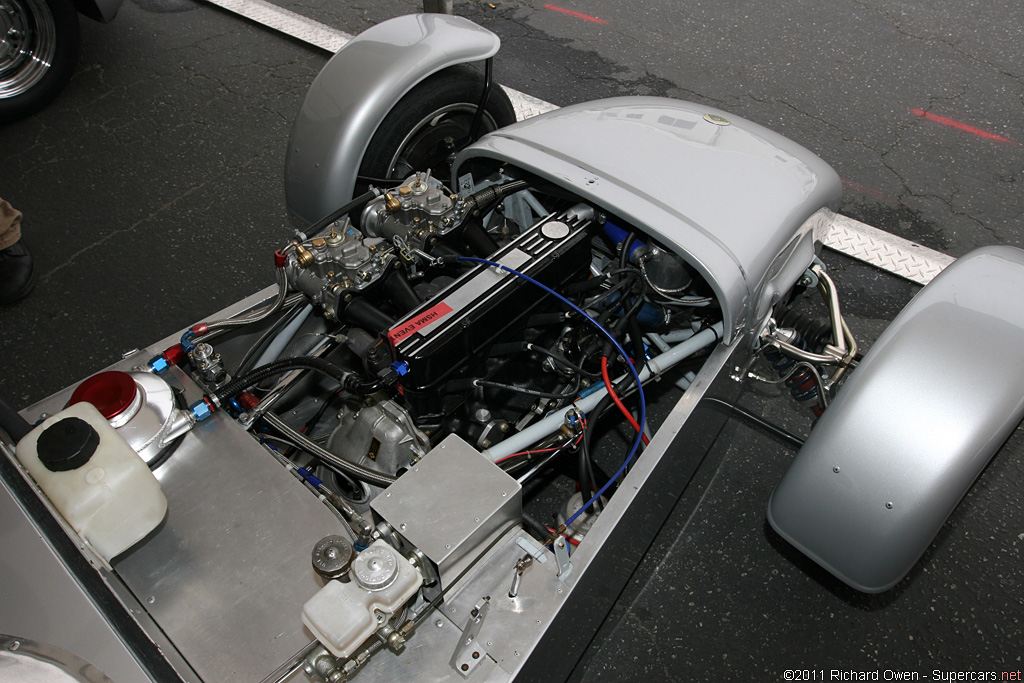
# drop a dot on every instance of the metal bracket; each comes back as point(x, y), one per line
point(535, 550)
point(468, 653)
point(562, 558)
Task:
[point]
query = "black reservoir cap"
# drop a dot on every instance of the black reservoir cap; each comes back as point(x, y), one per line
point(67, 445)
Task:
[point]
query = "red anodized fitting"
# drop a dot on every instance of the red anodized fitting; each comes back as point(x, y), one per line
point(174, 355)
point(247, 400)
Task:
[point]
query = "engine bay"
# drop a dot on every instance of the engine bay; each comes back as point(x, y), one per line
point(443, 398)
point(442, 445)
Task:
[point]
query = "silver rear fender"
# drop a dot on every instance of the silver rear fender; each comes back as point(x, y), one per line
point(353, 93)
point(915, 425)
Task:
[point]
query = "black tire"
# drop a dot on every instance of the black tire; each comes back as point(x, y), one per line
point(413, 135)
point(38, 54)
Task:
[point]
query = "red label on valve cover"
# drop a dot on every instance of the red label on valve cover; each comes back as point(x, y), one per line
point(417, 322)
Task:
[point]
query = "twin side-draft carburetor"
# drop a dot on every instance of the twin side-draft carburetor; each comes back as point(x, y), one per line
point(397, 229)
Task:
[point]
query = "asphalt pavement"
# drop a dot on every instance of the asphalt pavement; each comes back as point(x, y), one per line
point(153, 196)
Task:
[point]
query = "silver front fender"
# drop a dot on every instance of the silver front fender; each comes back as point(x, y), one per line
point(355, 91)
point(915, 425)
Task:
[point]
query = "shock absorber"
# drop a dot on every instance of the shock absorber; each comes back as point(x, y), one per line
point(813, 332)
point(802, 383)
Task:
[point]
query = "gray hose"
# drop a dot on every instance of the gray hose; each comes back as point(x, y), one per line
point(330, 459)
point(274, 307)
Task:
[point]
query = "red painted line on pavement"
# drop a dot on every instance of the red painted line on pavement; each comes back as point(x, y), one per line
point(578, 15)
point(869, 191)
point(928, 116)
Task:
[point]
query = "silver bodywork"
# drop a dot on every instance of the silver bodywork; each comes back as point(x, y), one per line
point(731, 197)
point(355, 91)
point(215, 593)
point(43, 599)
point(928, 407)
point(22, 659)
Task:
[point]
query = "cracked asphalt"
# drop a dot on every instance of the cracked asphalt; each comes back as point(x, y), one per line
point(153, 196)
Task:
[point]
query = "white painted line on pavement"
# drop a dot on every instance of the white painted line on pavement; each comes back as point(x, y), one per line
point(287, 22)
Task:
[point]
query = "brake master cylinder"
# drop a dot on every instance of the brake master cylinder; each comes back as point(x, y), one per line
point(343, 615)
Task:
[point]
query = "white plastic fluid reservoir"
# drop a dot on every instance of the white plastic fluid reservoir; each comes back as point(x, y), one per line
point(94, 478)
point(341, 615)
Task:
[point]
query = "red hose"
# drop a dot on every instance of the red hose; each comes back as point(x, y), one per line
point(618, 401)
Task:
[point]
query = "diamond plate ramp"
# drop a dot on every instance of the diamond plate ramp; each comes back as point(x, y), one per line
point(881, 249)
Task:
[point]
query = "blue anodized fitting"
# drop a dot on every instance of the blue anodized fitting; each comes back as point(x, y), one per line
point(159, 364)
point(201, 409)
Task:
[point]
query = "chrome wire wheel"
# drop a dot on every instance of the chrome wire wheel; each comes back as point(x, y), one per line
point(27, 45)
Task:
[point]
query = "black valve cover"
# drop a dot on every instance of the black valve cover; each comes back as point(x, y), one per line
point(442, 337)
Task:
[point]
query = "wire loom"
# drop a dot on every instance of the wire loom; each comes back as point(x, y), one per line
point(636, 377)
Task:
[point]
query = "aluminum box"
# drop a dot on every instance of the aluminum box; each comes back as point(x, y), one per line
point(480, 501)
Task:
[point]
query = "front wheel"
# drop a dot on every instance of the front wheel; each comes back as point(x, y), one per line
point(432, 122)
point(38, 53)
